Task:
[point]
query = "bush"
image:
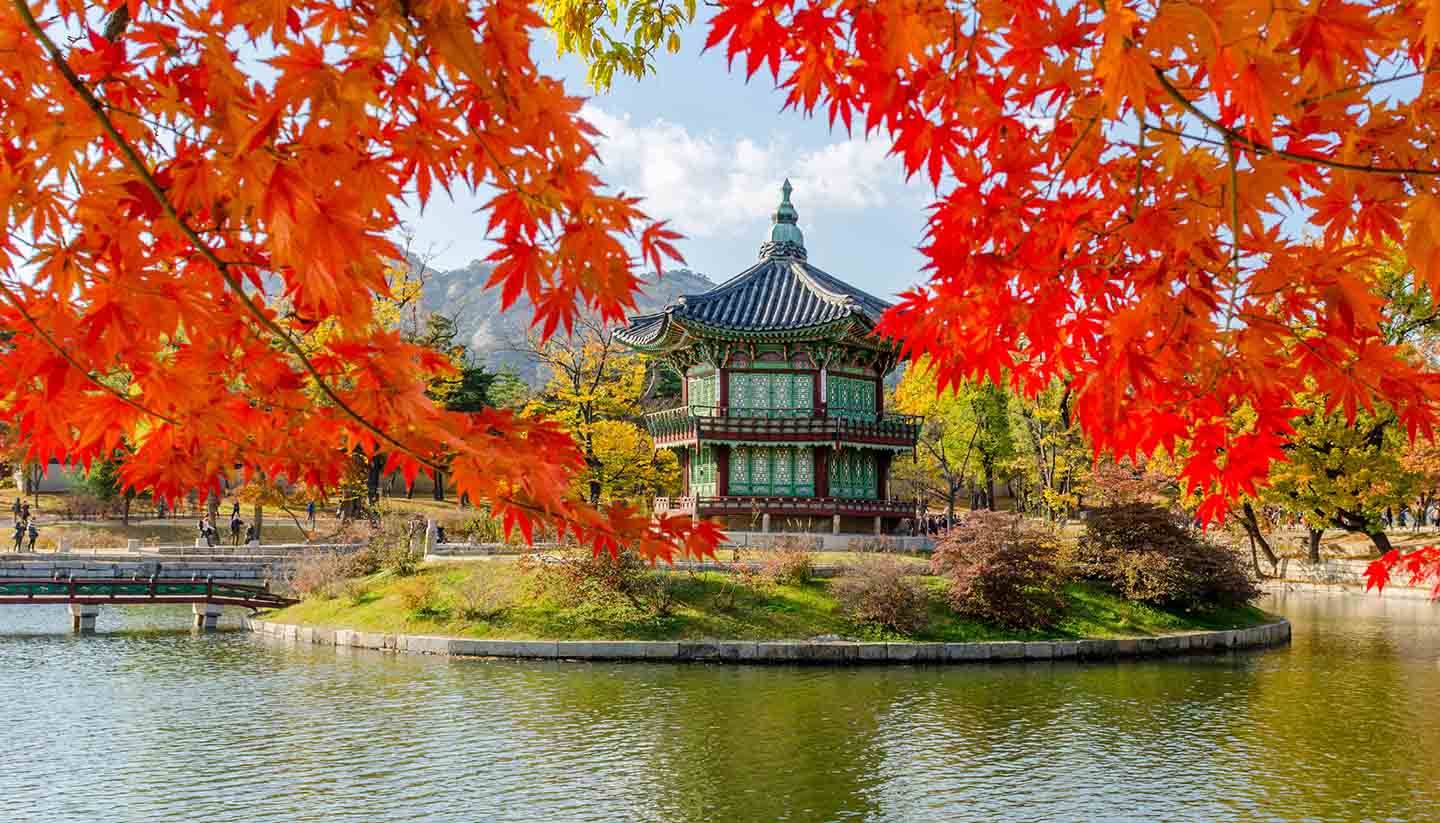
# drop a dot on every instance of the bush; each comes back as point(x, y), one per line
point(788, 565)
point(356, 592)
point(318, 575)
point(391, 545)
point(483, 595)
point(1153, 556)
point(419, 595)
point(1002, 568)
point(878, 591)
point(362, 562)
point(593, 579)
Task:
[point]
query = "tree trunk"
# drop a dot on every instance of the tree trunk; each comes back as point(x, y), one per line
point(1315, 544)
point(125, 511)
point(372, 478)
point(1381, 541)
point(259, 520)
point(439, 493)
point(990, 487)
point(1251, 523)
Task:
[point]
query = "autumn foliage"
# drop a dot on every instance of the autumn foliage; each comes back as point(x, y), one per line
point(188, 190)
point(1175, 208)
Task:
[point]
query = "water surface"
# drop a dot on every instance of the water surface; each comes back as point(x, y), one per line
point(149, 722)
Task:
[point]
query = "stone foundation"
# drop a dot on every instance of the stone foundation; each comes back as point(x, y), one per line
point(788, 651)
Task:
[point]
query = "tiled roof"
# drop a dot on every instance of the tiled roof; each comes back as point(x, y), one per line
point(782, 292)
point(776, 294)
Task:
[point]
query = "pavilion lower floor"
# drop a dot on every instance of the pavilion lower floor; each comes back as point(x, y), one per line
point(795, 514)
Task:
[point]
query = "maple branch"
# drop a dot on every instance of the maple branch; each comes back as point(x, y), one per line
point(89, 374)
point(137, 165)
point(1305, 101)
point(1263, 148)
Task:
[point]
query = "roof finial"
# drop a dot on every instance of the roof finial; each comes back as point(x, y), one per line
point(786, 239)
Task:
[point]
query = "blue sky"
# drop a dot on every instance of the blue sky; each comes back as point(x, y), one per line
point(708, 151)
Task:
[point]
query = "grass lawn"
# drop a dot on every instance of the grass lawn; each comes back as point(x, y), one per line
point(706, 605)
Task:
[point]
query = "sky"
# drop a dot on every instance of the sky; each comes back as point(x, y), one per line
point(708, 152)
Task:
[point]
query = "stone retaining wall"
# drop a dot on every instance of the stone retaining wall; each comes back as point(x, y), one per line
point(30, 565)
point(785, 651)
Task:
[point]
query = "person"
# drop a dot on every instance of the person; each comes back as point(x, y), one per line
point(249, 534)
point(16, 508)
point(235, 510)
point(206, 533)
point(310, 512)
point(19, 535)
point(34, 533)
point(236, 524)
point(439, 535)
point(25, 512)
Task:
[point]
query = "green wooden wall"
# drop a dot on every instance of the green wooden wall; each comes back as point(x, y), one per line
point(853, 474)
point(766, 471)
point(849, 397)
point(776, 394)
point(703, 472)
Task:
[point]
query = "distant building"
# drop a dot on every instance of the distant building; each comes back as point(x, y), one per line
point(783, 396)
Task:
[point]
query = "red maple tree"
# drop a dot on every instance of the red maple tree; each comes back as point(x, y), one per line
point(188, 189)
point(1177, 209)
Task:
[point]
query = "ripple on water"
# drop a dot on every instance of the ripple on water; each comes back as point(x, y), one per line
point(149, 722)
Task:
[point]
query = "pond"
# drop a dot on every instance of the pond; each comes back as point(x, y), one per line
point(149, 722)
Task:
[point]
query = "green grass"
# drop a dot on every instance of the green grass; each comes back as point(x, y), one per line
point(706, 605)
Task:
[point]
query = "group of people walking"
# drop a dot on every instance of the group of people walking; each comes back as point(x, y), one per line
point(211, 535)
point(25, 526)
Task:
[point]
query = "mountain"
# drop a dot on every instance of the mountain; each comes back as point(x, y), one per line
point(494, 336)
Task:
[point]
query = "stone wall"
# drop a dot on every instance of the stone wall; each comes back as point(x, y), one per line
point(786, 651)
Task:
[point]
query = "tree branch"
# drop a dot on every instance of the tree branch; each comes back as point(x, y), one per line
point(1255, 145)
point(138, 166)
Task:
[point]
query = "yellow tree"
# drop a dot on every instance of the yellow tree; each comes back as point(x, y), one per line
point(593, 380)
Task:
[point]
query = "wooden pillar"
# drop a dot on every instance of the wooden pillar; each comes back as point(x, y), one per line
point(882, 474)
point(722, 469)
point(685, 458)
point(822, 471)
point(724, 401)
point(879, 398)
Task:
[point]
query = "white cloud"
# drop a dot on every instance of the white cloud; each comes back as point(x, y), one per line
point(710, 186)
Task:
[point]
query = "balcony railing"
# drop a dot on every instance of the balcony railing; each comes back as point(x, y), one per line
point(745, 504)
point(686, 423)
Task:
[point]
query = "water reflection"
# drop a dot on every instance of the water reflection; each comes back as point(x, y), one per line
point(149, 722)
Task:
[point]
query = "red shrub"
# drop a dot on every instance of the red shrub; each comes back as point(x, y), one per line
point(879, 591)
point(1002, 568)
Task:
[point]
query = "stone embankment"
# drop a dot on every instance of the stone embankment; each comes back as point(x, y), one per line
point(1335, 577)
point(786, 651)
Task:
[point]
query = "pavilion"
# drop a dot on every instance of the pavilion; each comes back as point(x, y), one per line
point(782, 423)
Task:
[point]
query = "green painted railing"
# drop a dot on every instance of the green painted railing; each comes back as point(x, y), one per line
point(137, 590)
point(681, 422)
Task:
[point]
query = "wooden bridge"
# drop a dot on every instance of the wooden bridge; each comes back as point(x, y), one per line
point(86, 594)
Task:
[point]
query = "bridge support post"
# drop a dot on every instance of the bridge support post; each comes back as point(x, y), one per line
point(207, 616)
point(82, 617)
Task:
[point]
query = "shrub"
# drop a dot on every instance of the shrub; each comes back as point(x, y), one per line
point(419, 595)
point(591, 579)
point(878, 592)
point(483, 595)
point(318, 575)
point(788, 565)
point(1153, 556)
point(356, 591)
point(1002, 568)
point(361, 562)
point(391, 545)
